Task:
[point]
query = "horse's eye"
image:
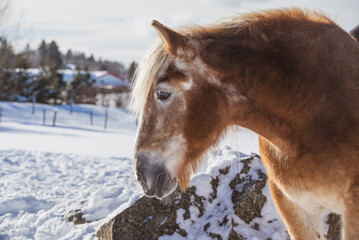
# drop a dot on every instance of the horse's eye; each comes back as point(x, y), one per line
point(162, 95)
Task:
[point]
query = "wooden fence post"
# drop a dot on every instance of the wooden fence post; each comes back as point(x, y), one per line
point(54, 120)
point(33, 104)
point(43, 116)
point(106, 116)
point(91, 117)
point(71, 103)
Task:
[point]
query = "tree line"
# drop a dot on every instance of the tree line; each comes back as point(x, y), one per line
point(19, 84)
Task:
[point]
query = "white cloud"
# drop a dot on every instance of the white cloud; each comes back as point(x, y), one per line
point(121, 29)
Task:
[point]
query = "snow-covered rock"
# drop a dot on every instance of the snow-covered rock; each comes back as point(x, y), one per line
point(230, 200)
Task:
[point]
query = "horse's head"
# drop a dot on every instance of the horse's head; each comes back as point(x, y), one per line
point(181, 111)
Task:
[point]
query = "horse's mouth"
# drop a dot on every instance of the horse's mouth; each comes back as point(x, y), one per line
point(153, 176)
point(165, 186)
point(162, 187)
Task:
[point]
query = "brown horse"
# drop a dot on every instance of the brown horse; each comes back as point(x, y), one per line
point(290, 75)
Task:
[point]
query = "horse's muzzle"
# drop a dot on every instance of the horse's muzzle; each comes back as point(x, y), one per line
point(153, 176)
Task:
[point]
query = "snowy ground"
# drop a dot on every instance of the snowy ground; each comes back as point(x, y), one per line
point(19, 129)
point(46, 171)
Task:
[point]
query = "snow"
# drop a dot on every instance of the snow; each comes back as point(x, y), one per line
point(48, 171)
point(38, 188)
point(73, 132)
point(27, 203)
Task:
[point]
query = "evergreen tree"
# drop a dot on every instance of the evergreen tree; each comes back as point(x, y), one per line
point(20, 77)
point(57, 85)
point(29, 55)
point(82, 79)
point(6, 85)
point(40, 87)
point(103, 67)
point(42, 50)
point(131, 71)
point(91, 58)
point(22, 61)
point(54, 55)
point(48, 86)
point(69, 55)
point(6, 53)
point(7, 57)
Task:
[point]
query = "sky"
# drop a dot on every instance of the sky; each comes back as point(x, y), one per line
point(121, 29)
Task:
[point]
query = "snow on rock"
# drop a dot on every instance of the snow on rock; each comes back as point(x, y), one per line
point(230, 199)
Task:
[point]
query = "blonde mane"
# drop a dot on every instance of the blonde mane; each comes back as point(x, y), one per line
point(248, 19)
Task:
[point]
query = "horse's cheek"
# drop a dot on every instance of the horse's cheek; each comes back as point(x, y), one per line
point(203, 120)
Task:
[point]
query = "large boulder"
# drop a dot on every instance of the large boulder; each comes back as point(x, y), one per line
point(231, 200)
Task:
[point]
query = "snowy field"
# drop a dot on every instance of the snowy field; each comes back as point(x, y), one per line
point(46, 171)
point(19, 129)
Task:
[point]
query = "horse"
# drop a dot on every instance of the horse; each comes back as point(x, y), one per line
point(290, 75)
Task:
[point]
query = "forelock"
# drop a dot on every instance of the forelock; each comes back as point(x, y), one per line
point(145, 75)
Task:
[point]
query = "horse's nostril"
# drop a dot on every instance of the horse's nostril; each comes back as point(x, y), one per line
point(139, 179)
point(160, 179)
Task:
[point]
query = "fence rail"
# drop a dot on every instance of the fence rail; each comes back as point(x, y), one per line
point(56, 115)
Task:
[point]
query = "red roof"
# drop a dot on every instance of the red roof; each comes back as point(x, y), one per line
point(122, 78)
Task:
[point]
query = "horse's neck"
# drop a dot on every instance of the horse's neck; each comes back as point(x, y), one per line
point(267, 123)
point(293, 104)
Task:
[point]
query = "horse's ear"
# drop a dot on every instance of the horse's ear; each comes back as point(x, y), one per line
point(175, 42)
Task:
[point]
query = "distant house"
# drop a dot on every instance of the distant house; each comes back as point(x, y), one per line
point(110, 80)
point(102, 79)
point(112, 89)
